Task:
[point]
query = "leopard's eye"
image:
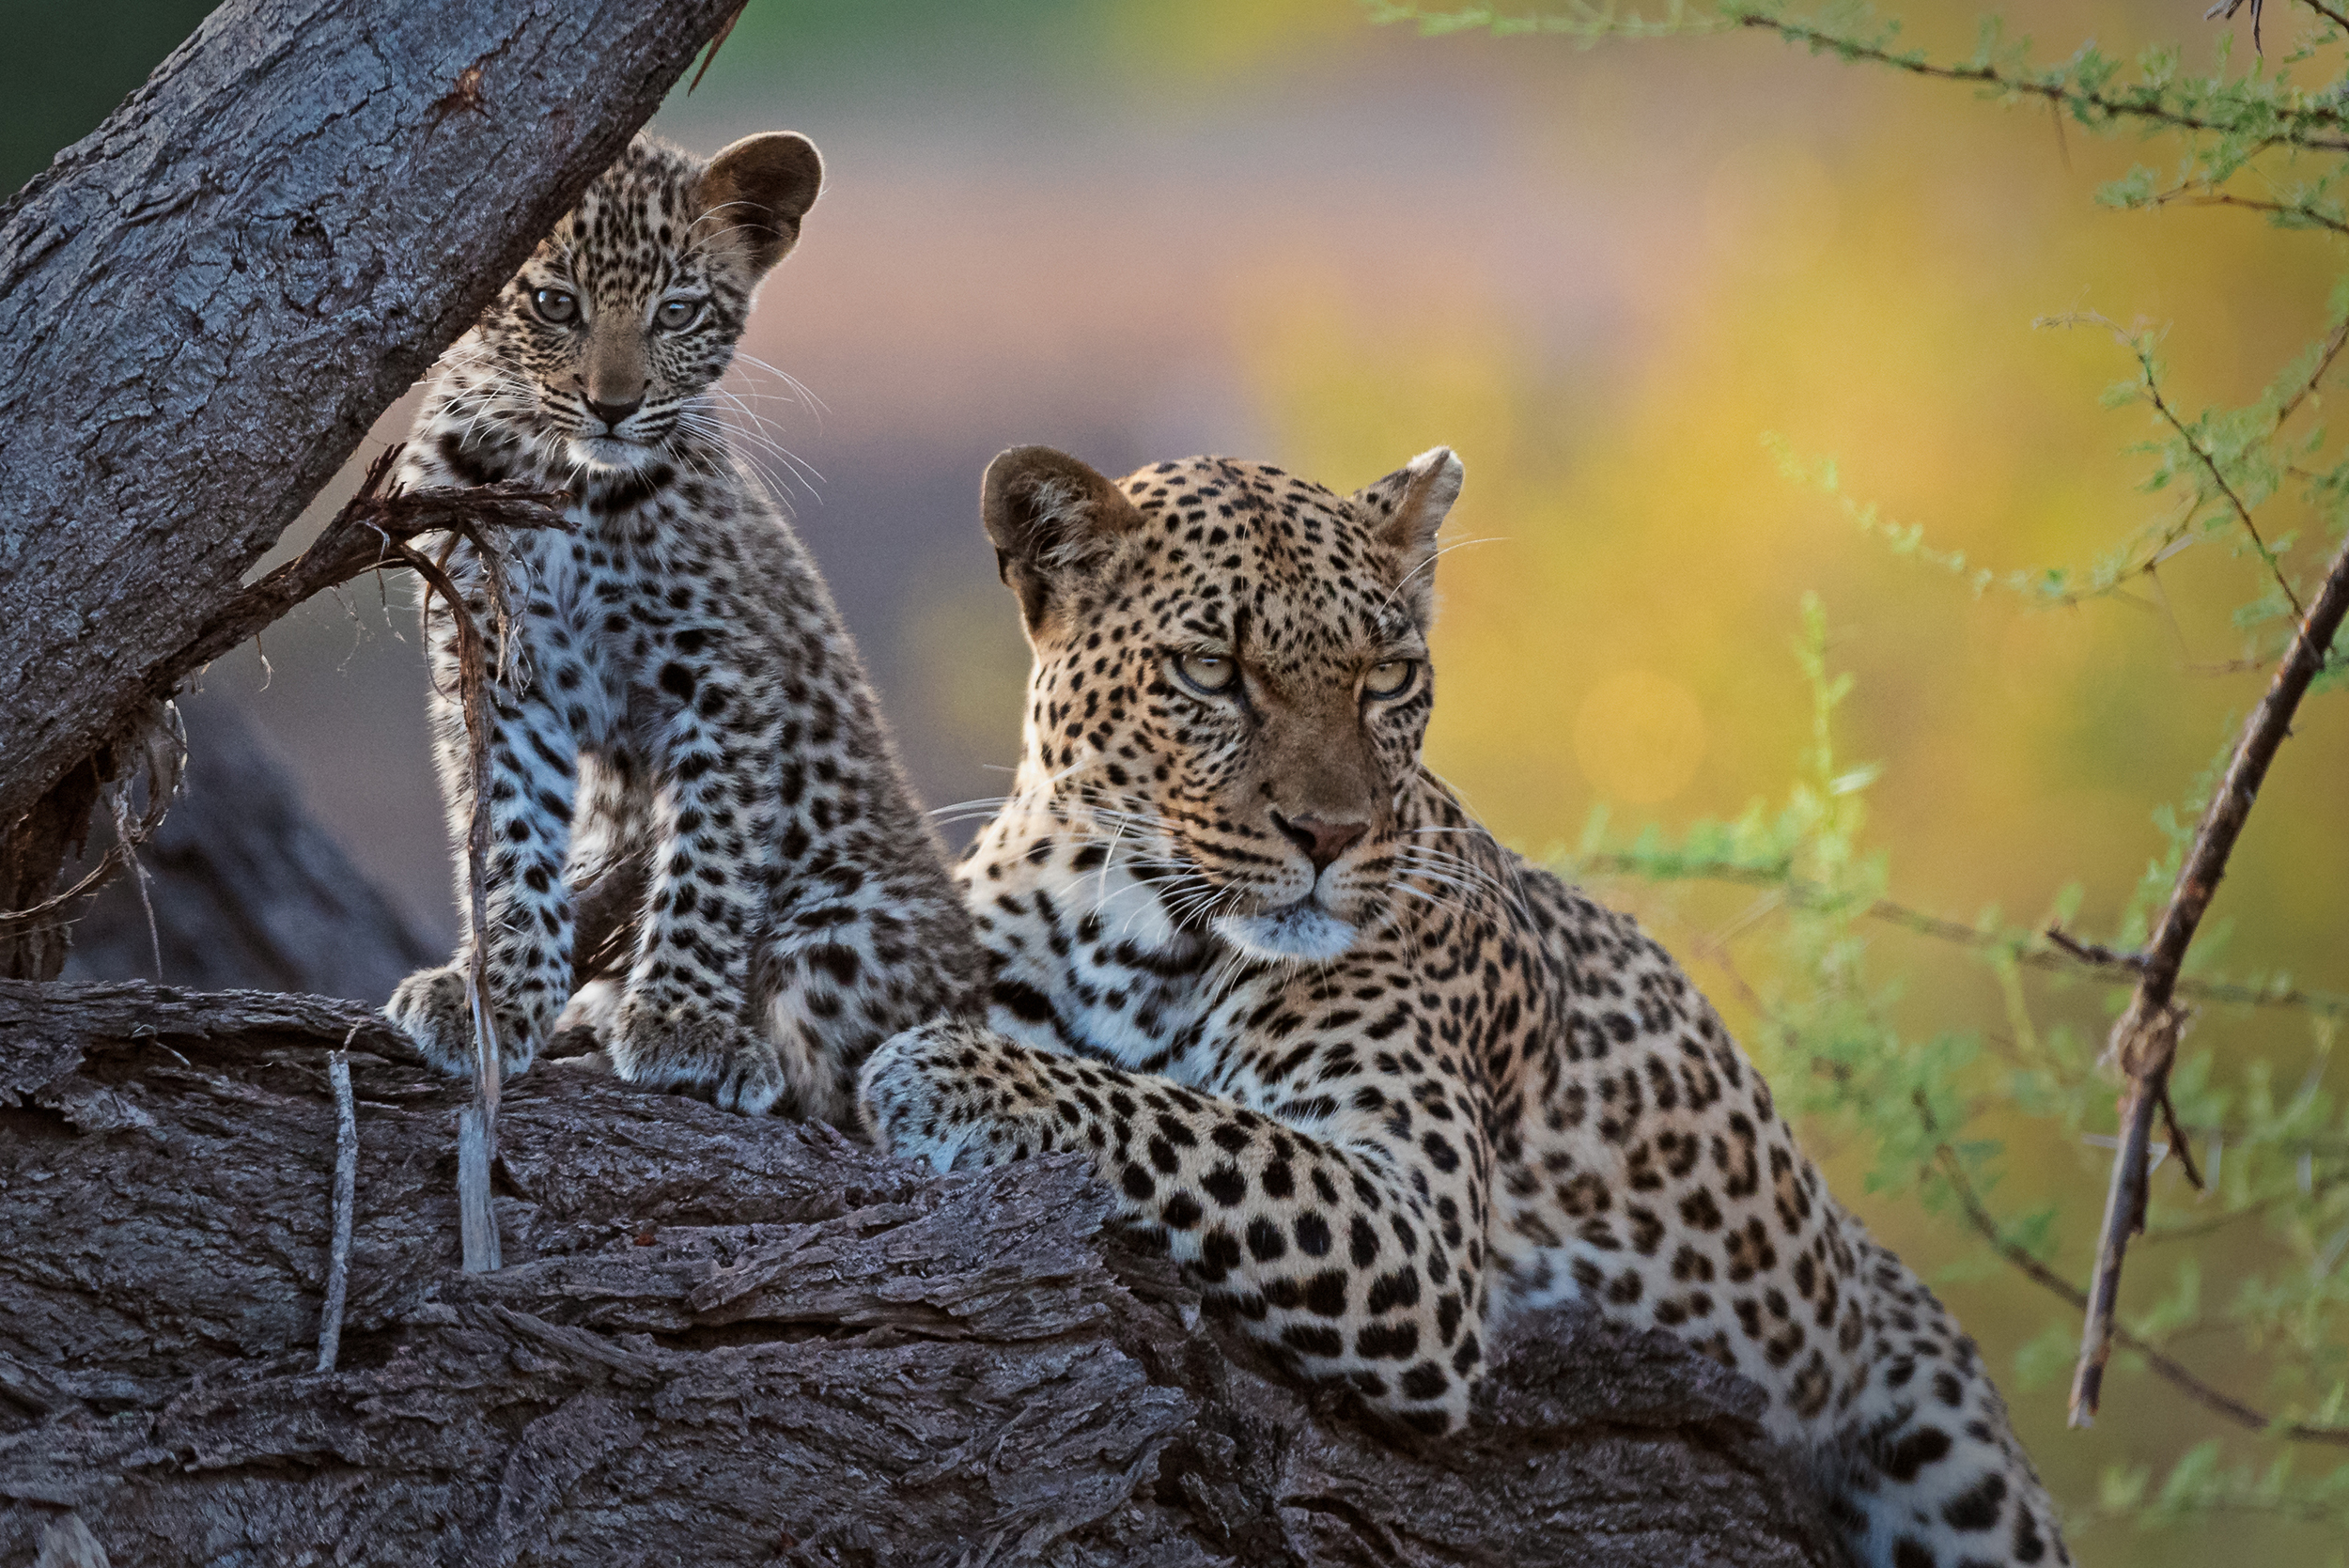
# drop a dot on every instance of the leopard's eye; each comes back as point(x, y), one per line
point(1210, 674)
point(677, 315)
point(1391, 679)
point(556, 305)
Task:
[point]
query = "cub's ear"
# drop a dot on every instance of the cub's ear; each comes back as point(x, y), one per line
point(759, 190)
point(1404, 511)
point(1052, 520)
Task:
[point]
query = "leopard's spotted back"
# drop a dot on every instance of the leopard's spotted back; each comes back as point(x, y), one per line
point(1379, 1081)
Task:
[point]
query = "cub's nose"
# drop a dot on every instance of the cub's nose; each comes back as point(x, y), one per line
point(611, 414)
point(1322, 842)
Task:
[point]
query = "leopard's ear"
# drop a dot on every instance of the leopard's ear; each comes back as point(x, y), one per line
point(759, 190)
point(1404, 511)
point(1052, 520)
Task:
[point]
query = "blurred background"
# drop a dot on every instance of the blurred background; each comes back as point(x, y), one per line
point(1269, 228)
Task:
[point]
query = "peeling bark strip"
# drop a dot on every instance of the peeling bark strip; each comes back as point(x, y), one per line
point(204, 304)
point(249, 890)
point(717, 1339)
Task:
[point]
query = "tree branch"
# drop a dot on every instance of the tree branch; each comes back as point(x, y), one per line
point(2190, 196)
point(206, 302)
point(2086, 105)
point(718, 1339)
point(2145, 1042)
point(2068, 955)
point(2170, 1371)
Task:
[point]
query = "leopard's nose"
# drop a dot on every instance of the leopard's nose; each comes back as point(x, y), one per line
point(1322, 842)
point(611, 414)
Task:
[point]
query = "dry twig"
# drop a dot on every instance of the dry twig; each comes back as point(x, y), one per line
point(2145, 1040)
point(710, 56)
point(363, 536)
point(346, 1198)
point(476, 1125)
point(162, 755)
point(2168, 1370)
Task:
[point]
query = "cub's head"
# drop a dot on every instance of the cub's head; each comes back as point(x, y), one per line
point(598, 349)
point(1230, 665)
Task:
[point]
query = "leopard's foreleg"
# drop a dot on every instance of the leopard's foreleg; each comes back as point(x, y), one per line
point(532, 781)
point(1358, 1256)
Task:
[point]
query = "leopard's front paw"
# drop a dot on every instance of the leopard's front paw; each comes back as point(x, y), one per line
point(908, 1093)
point(714, 1058)
point(430, 1007)
point(587, 1022)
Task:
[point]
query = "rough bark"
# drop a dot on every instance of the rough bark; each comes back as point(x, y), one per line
point(55, 830)
point(248, 892)
point(206, 302)
point(717, 1339)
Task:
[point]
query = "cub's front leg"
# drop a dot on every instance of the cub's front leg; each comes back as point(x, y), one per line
point(1355, 1255)
point(533, 778)
point(682, 1019)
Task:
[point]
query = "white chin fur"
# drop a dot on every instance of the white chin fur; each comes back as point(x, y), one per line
point(1304, 930)
point(609, 452)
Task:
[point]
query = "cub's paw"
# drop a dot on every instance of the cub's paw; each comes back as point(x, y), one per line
point(909, 1091)
point(714, 1058)
point(430, 1009)
point(586, 1023)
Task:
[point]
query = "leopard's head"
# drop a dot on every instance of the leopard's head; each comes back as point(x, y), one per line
point(1230, 671)
point(597, 351)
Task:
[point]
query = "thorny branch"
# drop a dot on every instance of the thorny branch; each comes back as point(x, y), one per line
point(2170, 1370)
point(2336, 17)
point(2066, 955)
point(2145, 1040)
point(2210, 466)
point(2088, 105)
point(2193, 196)
point(2333, 342)
point(2148, 384)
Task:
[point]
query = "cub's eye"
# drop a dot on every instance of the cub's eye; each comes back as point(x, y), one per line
point(677, 315)
point(1391, 679)
point(1208, 673)
point(556, 305)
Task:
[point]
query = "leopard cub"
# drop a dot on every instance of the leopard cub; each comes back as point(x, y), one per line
point(678, 711)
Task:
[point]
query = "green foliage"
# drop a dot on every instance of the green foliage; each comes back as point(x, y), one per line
point(2257, 1267)
point(1832, 1041)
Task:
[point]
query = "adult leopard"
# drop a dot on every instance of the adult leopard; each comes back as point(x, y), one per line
point(680, 718)
point(1378, 1081)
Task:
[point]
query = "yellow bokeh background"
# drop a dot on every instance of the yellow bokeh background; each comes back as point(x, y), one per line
point(1852, 263)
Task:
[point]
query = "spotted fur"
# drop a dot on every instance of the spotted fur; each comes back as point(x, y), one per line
point(678, 711)
point(1380, 1082)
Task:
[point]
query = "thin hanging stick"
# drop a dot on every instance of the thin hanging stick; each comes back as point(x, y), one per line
point(476, 1123)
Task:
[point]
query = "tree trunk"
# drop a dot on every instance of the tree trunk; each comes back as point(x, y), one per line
point(208, 301)
point(718, 1340)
